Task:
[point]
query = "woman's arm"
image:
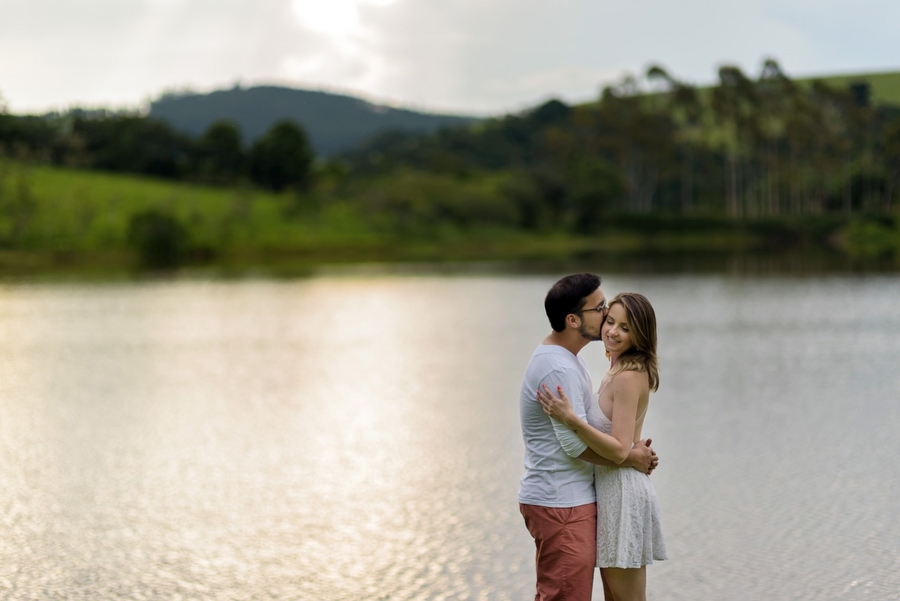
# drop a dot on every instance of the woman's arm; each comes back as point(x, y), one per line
point(641, 457)
point(559, 407)
point(627, 388)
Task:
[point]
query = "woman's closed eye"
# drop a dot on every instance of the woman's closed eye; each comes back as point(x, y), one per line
point(611, 322)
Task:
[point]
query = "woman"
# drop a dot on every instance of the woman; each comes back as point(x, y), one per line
point(628, 528)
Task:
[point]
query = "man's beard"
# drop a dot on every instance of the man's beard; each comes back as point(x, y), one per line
point(587, 335)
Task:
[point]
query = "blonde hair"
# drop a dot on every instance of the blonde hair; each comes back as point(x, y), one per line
point(641, 357)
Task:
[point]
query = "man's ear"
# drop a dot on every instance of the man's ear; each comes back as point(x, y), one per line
point(572, 320)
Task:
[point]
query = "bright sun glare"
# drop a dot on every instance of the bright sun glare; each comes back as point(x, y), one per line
point(334, 17)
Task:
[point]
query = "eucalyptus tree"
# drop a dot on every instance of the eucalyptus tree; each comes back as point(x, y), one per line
point(891, 150)
point(841, 138)
point(805, 153)
point(778, 95)
point(687, 113)
point(735, 104)
point(680, 104)
point(614, 139)
point(864, 121)
point(635, 138)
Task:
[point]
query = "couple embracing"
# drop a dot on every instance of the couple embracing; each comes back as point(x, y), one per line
point(586, 496)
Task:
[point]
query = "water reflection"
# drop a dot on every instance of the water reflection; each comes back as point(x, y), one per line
point(357, 437)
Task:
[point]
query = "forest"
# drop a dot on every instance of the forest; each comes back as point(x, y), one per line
point(744, 148)
point(751, 162)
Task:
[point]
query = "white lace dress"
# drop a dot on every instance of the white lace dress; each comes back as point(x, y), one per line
point(628, 527)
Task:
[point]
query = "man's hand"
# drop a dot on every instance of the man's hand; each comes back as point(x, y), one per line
point(642, 457)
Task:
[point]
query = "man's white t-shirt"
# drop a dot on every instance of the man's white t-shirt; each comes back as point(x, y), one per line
point(554, 476)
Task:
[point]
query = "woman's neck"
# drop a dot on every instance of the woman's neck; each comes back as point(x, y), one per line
point(613, 357)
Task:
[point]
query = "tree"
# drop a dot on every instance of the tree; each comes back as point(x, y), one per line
point(597, 189)
point(159, 239)
point(681, 103)
point(26, 135)
point(636, 139)
point(660, 78)
point(735, 103)
point(843, 128)
point(687, 112)
point(808, 155)
point(778, 95)
point(891, 143)
point(550, 113)
point(282, 158)
point(221, 153)
point(133, 144)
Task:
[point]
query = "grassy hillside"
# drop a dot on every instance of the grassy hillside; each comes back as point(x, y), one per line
point(884, 87)
point(56, 220)
point(334, 122)
point(73, 211)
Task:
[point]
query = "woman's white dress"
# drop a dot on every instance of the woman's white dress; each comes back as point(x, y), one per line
point(628, 526)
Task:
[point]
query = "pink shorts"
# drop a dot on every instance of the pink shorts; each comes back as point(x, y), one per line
point(565, 540)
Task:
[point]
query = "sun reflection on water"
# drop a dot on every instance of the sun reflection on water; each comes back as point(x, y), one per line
point(357, 438)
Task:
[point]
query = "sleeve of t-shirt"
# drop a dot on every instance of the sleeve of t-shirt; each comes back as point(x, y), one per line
point(571, 444)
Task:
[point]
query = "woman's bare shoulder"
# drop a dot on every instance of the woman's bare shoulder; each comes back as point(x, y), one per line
point(632, 380)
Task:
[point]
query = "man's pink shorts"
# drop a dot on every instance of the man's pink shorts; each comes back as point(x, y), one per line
point(565, 541)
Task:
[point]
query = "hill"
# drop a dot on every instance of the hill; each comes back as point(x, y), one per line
point(334, 122)
point(884, 88)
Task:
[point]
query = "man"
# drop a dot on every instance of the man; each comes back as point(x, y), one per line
point(556, 496)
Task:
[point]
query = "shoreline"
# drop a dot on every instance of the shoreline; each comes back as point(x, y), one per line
point(22, 266)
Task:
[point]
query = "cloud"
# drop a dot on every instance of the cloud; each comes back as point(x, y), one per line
point(505, 54)
point(844, 35)
point(113, 53)
point(475, 56)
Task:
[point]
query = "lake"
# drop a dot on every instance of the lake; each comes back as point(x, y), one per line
point(355, 436)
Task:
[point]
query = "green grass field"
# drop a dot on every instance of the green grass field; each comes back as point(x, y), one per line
point(55, 220)
point(67, 210)
point(52, 219)
point(884, 87)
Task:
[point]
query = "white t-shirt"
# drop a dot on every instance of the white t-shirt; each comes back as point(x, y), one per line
point(554, 476)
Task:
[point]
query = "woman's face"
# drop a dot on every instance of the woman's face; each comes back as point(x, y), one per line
point(615, 331)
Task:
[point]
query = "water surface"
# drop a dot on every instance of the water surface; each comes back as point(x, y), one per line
point(356, 437)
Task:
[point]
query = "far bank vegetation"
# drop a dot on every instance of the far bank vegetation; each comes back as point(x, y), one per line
point(760, 161)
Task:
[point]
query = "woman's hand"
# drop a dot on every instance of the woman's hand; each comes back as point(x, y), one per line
point(557, 407)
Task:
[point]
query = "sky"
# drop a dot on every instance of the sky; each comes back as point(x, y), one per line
point(478, 57)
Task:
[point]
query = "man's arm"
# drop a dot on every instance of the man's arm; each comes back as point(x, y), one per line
point(642, 457)
point(616, 451)
point(568, 440)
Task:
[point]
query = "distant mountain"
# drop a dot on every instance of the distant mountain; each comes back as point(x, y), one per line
point(333, 122)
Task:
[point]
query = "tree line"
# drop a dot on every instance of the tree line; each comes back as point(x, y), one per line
point(131, 143)
point(745, 148)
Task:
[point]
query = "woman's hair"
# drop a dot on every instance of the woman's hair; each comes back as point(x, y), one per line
point(568, 296)
point(641, 320)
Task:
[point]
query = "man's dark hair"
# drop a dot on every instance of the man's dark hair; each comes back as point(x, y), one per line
point(568, 296)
